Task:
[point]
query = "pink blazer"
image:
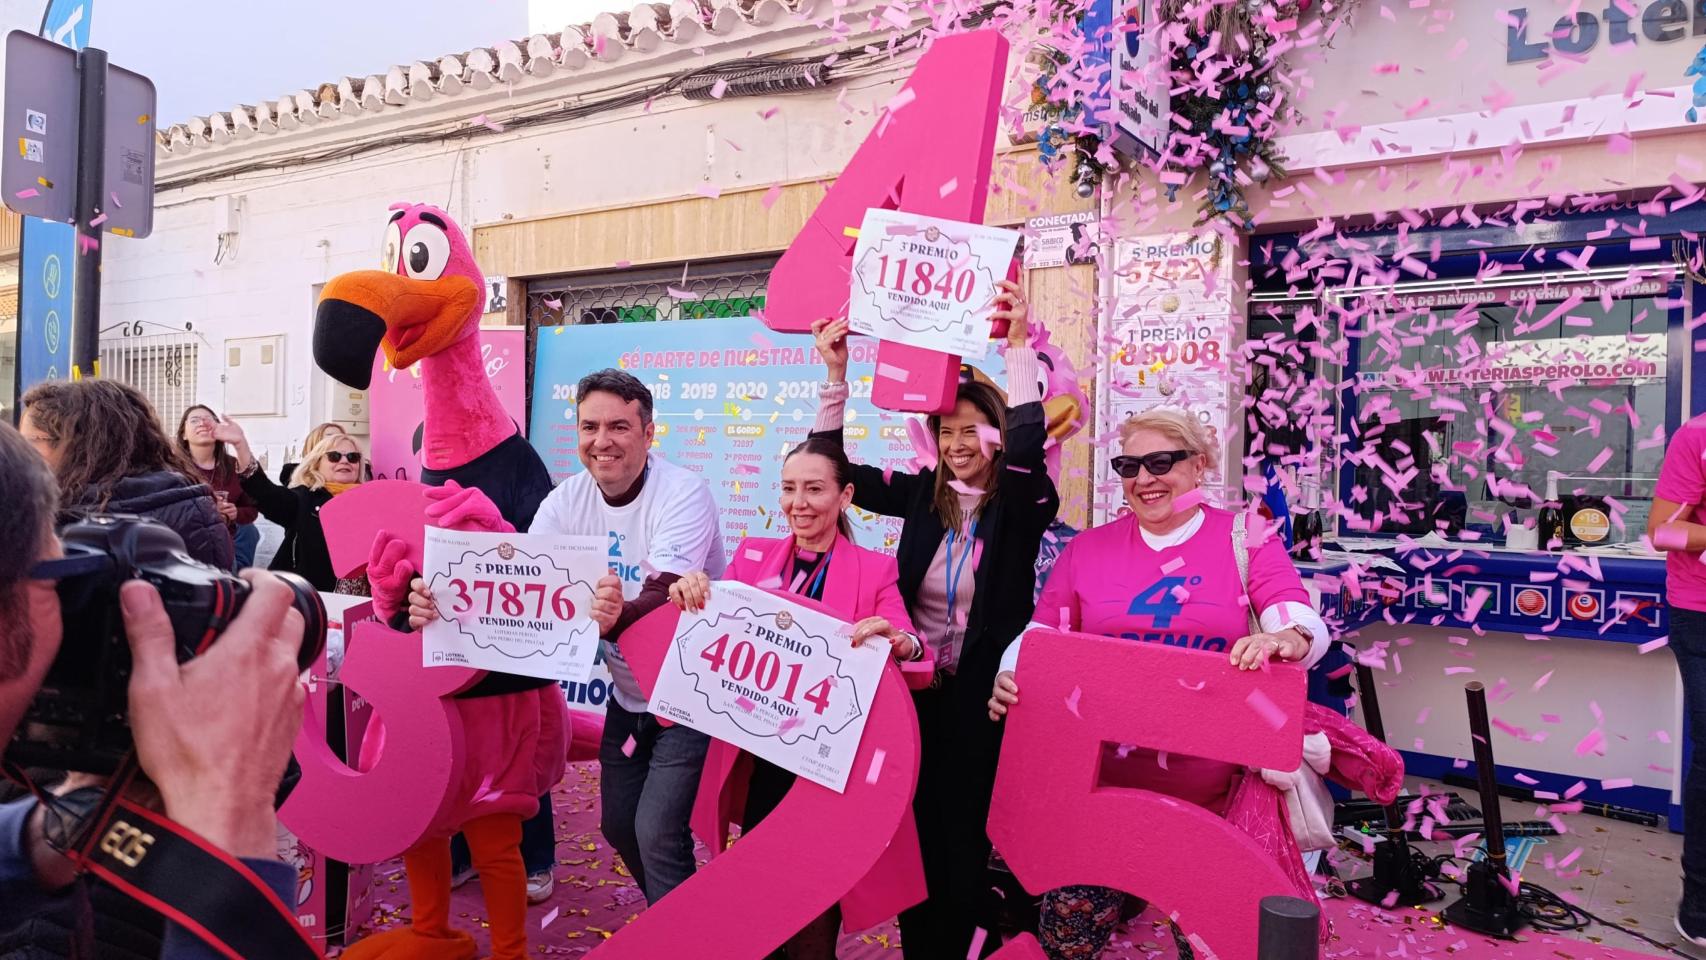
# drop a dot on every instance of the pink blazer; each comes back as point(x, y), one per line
point(860, 583)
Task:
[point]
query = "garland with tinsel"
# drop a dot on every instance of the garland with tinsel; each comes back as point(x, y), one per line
point(1230, 99)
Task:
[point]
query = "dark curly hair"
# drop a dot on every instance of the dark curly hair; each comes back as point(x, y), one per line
point(106, 431)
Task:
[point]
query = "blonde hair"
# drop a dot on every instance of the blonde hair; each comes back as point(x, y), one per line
point(1179, 426)
point(308, 471)
point(317, 434)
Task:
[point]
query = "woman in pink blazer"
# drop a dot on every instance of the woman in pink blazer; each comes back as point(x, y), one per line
point(820, 562)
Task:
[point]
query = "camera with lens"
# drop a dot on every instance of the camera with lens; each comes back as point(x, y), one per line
point(78, 720)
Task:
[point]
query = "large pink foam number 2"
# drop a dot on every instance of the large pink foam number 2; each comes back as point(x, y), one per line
point(366, 817)
point(929, 154)
point(1055, 827)
point(803, 858)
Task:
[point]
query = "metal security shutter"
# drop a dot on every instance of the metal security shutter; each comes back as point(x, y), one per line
point(695, 291)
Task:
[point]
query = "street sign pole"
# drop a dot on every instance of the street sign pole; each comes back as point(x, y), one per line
point(91, 177)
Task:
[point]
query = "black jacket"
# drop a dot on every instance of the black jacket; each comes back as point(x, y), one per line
point(175, 500)
point(967, 743)
point(297, 510)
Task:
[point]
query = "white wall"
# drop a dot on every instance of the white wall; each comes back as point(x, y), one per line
point(304, 225)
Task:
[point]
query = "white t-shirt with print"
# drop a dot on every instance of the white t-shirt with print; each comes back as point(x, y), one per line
point(671, 527)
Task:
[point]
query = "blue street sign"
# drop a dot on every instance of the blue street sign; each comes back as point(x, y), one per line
point(49, 252)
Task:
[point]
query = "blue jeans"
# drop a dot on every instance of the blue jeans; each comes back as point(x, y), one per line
point(538, 843)
point(646, 796)
point(245, 540)
point(1688, 642)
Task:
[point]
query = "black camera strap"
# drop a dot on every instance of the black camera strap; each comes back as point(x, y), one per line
point(185, 879)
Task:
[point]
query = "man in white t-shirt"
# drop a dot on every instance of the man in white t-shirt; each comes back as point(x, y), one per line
point(662, 524)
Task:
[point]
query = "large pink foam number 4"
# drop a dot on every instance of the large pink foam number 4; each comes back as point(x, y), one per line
point(366, 817)
point(804, 857)
point(1055, 826)
point(930, 153)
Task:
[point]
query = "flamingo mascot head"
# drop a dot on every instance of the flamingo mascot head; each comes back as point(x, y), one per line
point(424, 305)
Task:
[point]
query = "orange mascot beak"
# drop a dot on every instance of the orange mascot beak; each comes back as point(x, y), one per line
point(362, 311)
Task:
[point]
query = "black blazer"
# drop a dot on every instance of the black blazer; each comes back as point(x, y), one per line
point(297, 510)
point(1011, 529)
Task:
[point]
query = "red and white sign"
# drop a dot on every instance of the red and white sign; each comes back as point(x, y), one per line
point(513, 602)
point(1533, 602)
point(1586, 605)
point(928, 282)
point(1172, 273)
point(776, 679)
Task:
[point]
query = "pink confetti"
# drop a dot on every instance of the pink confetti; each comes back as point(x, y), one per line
point(679, 294)
point(772, 195)
point(952, 184)
point(745, 704)
point(977, 939)
point(790, 724)
point(719, 88)
point(1265, 708)
point(628, 746)
point(483, 121)
point(27, 193)
point(1615, 783)
point(115, 201)
point(1072, 701)
point(550, 918)
point(876, 765)
point(710, 191)
point(767, 114)
point(1526, 780)
point(1591, 742)
point(1652, 645)
point(87, 244)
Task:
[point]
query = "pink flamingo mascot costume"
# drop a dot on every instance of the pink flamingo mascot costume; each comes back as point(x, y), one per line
point(425, 306)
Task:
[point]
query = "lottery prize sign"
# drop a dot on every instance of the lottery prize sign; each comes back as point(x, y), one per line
point(513, 602)
point(927, 282)
point(777, 680)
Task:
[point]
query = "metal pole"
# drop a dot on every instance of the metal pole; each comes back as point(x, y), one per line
point(1486, 773)
point(1290, 930)
point(91, 177)
point(1369, 701)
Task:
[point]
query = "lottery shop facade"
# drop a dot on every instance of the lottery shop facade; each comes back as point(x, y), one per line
point(1487, 239)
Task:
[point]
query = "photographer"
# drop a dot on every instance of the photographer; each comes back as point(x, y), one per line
point(213, 735)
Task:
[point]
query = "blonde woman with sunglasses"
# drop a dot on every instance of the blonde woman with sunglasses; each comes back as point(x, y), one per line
point(331, 467)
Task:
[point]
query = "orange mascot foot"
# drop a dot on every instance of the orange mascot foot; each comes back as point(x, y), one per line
point(431, 936)
point(495, 843)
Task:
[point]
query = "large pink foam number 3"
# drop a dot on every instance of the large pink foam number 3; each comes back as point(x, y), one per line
point(803, 858)
point(366, 817)
point(1055, 827)
point(929, 154)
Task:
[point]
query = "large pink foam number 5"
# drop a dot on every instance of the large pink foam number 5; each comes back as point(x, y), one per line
point(804, 857)
point(930, 153)
point(366, 817)
point(1055, 827)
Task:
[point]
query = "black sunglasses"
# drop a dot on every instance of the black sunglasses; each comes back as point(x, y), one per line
point(1159, 464)
point(338, 456)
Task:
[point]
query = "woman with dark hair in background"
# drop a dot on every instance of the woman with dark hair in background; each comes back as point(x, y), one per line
point(973, 522)
point(106, 447)
point(219, 471)
point(819, 561)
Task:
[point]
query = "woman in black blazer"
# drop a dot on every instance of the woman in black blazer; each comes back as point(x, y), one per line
point(981, 510)
point(331, 467)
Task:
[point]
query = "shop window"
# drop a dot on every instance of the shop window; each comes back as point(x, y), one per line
point(1469, 398)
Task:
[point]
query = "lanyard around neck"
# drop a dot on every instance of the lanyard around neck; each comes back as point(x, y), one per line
point(816, 577)
point(956, 569)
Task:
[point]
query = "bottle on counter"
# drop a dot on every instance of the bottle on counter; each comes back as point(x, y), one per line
point(1551, 527)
